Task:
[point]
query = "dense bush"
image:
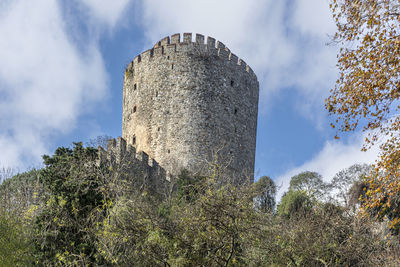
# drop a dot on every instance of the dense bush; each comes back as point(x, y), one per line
point(15, 244)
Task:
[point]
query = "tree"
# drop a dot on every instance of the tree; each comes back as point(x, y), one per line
point(309, 182)
point(325, 235)
point(18, 201)
point(15, 240)
point(101, 140)
point(74, 203)
point(295, 203)
point(367, 93)
point(20, 192)
point(205, 224)
point(346, 179)
point(6, 173)
point(266, 191)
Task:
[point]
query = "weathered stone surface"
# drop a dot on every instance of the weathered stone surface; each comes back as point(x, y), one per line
point(135, 166)
point(185, 102)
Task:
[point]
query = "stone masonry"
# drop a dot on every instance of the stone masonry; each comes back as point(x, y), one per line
point(186, 104)
point(124, 158)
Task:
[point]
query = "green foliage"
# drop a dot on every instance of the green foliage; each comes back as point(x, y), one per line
point(136, 231)
point(295, 203)
point(218, 226)
point(266, 191)
point(205, 224)
point(73, 203)
point(15, 247)
point(21, 191)
point(18, 205)
point(310, 182)
point(92, 215)
point(188, 186)
point(325, 237)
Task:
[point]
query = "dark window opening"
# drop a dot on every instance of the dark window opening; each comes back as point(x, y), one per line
point(232, 82)
point(156, 93)
point(134, 109)
point(172, 66)
point(230, 152)
point(134, 86)
point(168, 151)
point(133, 140)
point(236, 111)
point(158, 129)
point(167, 57)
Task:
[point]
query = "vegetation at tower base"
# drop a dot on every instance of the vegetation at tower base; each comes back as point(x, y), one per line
point(92, 212)
point(367, 93)
point(74, 202)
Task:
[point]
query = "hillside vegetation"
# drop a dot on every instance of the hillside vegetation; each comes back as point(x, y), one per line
point(76, 213)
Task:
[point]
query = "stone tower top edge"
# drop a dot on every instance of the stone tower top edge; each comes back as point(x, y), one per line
point(174, 43)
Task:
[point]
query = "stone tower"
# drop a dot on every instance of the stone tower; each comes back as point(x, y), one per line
point(189, 103)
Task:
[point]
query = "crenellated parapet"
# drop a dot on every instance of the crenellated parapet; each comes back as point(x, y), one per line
point(135, 165)
point(201, 45)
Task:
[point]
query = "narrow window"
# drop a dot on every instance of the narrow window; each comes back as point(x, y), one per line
point(236, 111)
point(232, 82)
point(133, 140)
point(134, 86)
point(172, 66)
point(156, 93)
point(167, 57)
point(168, 151)
point(134, 109)
point(158, 129)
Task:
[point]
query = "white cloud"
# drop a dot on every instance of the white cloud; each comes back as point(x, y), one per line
point(313, 17)
point(106, 11)
point(45, 81)
point(283, 41)
point(333, 157)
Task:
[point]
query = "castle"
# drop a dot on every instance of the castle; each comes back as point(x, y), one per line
point(186, 104)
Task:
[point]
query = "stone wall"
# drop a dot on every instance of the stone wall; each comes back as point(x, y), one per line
point(189, 103)
point(135, 166)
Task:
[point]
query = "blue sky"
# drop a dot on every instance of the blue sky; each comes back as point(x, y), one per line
point(63, 64)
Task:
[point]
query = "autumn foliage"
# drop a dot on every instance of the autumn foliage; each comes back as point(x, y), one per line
point(367, 92)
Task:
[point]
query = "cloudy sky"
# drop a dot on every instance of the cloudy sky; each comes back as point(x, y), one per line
point(63, 63)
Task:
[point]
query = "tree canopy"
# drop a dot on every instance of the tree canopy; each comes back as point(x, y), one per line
point(265, 199)
point(72, 205)
point(310, 182)
point(366, 94)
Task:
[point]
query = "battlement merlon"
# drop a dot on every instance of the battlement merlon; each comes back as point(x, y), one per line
point(118, 149)
point(174, 43)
